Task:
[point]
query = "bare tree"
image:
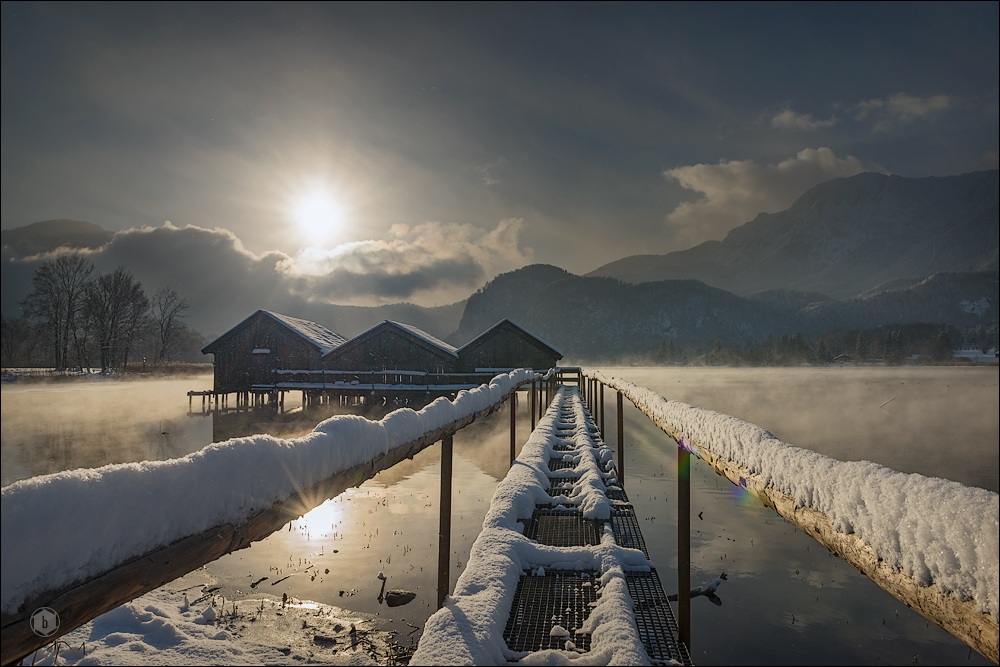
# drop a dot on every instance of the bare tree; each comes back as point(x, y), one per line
point(167, 310)
point(57, 299)
point(15, 333)
point(116, 307)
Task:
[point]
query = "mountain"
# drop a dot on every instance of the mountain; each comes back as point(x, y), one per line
point(49, 235)
point(957, 299)
point(843, 237)
point(595, 317)
point(600, 318)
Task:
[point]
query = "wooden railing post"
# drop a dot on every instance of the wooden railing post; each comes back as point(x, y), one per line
point(444, 526)
point(532, 406)
point(602, 410)
point(621, 439)
point(684, 546)
point(513, 421)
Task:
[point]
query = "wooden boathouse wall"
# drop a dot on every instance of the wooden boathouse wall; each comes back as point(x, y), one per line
point(507, 345)
point(238, 366)
point(390, 346)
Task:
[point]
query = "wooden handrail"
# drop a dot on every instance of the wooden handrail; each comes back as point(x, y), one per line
point(84, 600)
point(961, 618)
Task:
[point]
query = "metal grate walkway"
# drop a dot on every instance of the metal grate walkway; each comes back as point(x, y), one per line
point(550, 608)
point(563, 597)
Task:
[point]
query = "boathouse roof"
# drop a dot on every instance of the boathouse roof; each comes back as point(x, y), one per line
point(413, 333)
point(311, 332)
point(505, 323)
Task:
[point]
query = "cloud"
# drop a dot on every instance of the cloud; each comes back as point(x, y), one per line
point(431, 263)
point(414, 259)
point(790, 120)
point(901, 109)
point(735, 191)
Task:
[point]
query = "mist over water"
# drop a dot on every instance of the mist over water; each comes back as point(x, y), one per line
point(53, 426)
point(786, 601)
point(936, 421)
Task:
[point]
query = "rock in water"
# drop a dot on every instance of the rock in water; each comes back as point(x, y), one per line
point(399, 598)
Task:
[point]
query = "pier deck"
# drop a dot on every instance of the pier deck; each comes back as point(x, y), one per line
point(570, 546)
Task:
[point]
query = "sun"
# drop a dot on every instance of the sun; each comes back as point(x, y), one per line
point(318, 216)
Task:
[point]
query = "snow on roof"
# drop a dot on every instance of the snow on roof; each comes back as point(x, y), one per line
point(512, 322)
point(420, 333)
point(937, 531)
point(112, 514)
point(317, 334)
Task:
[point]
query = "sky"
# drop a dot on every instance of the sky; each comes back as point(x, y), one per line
point(375, 153)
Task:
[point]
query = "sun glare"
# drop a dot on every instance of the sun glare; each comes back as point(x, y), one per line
point(318, 216)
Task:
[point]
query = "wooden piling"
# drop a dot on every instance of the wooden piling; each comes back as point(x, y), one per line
point(444, 525)
point(621, 439)
point(684, 547)
point(602, 410)
point(513, 420)
point(532, 406)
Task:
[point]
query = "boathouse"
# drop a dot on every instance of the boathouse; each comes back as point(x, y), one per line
point(249, 353)
point(507, 345)
point(393, 346)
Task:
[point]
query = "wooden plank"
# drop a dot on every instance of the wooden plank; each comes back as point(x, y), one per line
point(87, 599)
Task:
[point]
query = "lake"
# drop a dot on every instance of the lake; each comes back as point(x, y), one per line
point(786, 600)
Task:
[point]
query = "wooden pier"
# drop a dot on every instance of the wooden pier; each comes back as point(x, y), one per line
point(539, 599)
point(552, 603)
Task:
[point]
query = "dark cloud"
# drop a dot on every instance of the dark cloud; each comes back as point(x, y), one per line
point(223, 282)
point(565, 118)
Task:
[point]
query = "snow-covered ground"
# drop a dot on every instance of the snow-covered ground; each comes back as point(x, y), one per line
point(976, 355)
point(96, 519)
point(937, 531)
point(186, 623)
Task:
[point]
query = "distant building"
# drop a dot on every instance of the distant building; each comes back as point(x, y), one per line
point(247, 354)
point(507, 345)
point(393, 346)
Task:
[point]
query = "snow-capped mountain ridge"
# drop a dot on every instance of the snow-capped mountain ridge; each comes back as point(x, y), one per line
point(845, 236)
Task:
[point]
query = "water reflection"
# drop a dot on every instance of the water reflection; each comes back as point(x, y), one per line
point(389, 524)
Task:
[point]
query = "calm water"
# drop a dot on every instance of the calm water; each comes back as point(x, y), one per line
point(787, 600)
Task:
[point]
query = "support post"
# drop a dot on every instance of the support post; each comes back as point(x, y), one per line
point(513, 420)
point(602, 410)
point(532, 406)
point(444, 529)
point(684, 546)
point(541, 402)
point(621, 440)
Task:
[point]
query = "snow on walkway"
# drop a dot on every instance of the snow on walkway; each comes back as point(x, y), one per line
point(936, 530)
point(69, 526)
point(469, 629)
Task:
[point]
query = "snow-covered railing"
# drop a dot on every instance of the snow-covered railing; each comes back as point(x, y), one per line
point(83, 542)
point(932, 543)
